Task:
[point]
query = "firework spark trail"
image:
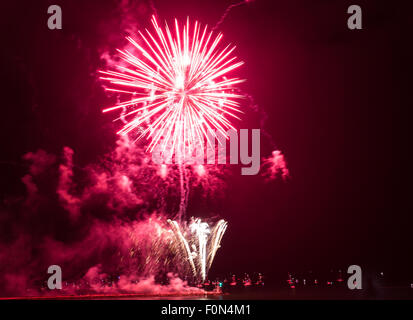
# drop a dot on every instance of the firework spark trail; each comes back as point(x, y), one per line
point(201, 229)
point(183, 180)
point(217, 234)
point(226, 12)
point(178, 86)
point(184, 243)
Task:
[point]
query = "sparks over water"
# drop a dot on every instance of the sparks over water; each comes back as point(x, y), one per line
point(177, 86)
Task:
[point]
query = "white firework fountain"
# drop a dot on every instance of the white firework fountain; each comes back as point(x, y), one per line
point(199, 243)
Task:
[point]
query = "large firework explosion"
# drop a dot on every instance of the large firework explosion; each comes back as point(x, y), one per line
point(178, 87)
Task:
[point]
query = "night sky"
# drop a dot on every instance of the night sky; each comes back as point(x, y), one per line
point(333, 99)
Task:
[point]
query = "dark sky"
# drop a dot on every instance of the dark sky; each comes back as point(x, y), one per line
point(334, 99)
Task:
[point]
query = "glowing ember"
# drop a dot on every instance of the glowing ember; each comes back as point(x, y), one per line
point(177, 87)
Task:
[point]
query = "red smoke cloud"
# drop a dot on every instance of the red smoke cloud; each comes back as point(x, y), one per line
point(110, 214)
point(276, 165)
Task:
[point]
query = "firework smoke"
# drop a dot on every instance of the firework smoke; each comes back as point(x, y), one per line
point(276, 165)
point(110, 216)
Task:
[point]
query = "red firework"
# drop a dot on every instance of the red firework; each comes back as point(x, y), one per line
point(179, 92)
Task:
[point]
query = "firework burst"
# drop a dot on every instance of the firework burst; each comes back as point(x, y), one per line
point(177, 87)
point(198, 244)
